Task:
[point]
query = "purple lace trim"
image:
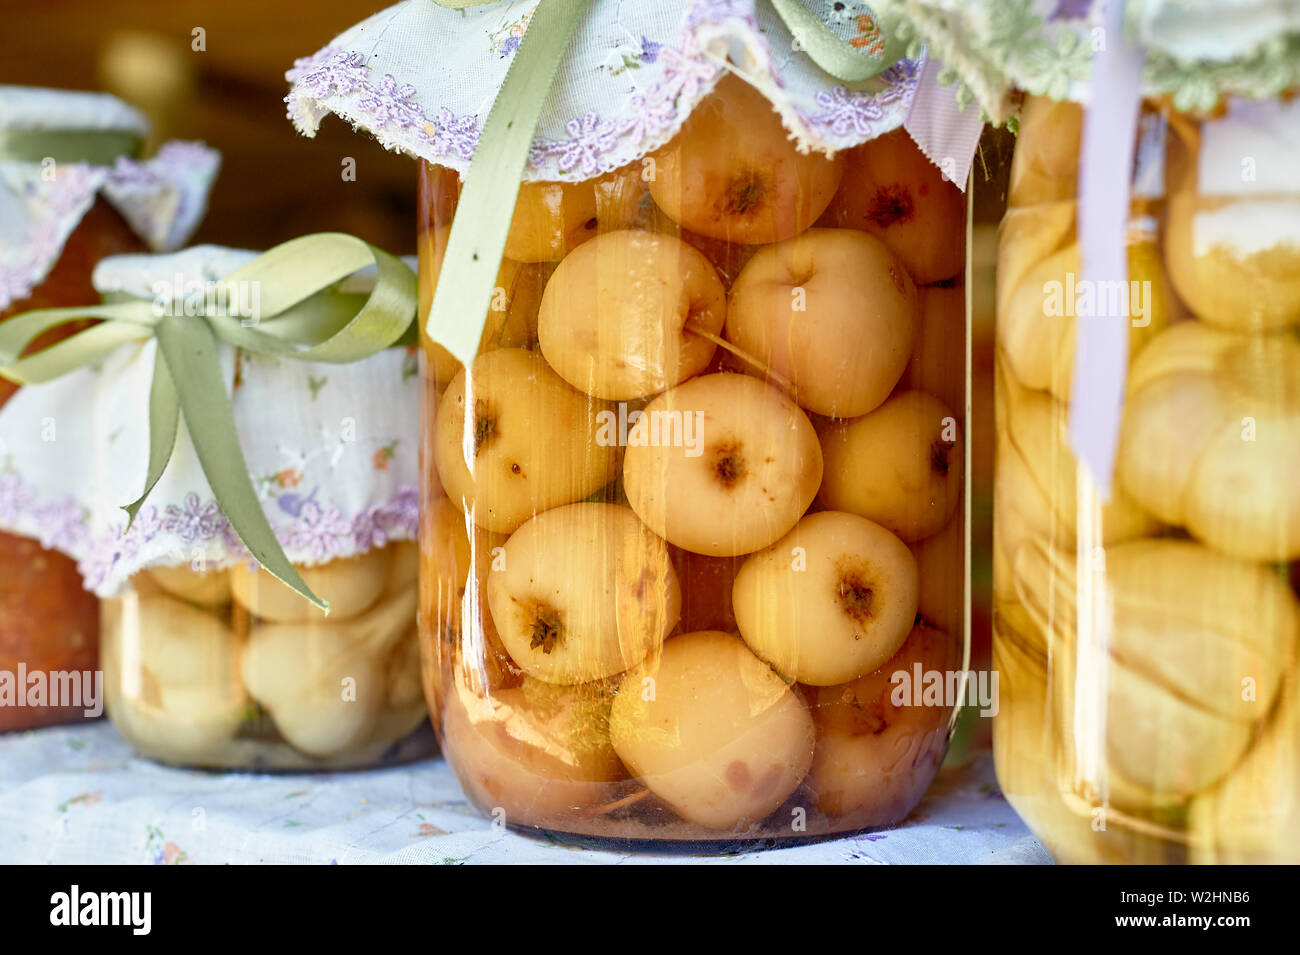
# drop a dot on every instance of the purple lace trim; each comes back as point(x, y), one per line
point(688, 72)
point(72, 193)
point(318, 533)
point(332, 72)
point(74, 189)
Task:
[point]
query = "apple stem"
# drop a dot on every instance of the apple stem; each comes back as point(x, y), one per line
point(743, 355)
point(609, 807)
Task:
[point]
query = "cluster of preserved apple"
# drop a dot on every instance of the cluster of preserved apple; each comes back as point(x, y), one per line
point(1147, 643)
point(231, 668)
point(697, 497)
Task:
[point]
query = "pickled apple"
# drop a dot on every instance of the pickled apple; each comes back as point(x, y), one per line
point(350, 585)
point(1036, 314)
point(582, 593)
point(875, 758)
point(1211, 439)
point(514, 439)
point(1197, 641)
point(539, 753)
point(713, 731)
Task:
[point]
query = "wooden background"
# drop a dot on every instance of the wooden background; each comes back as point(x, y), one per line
point(274, 183)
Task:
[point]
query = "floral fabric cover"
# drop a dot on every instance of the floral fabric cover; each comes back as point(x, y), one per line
point(332, 450)
point(1193, 50)
point(421, 78)
point(163, 198)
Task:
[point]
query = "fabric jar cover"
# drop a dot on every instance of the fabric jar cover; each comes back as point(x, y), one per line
point(421, 79)
point(162, 199)
point(331, 449)
point(1194, 50)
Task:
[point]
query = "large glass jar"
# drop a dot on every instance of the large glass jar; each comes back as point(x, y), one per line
point(699, 498)
point(232, 669)
point(1147, 643)
point(48, 622)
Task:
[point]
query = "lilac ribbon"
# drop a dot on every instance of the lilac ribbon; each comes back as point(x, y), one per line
point(946, 133)
point(1106, 167)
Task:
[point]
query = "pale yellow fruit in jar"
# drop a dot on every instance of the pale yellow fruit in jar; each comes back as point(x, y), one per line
point(1253, 816)
point(1045, 165)
point(1038, 315)
point(323, 682)
point(722, 465)
point(1232, 233)
point(583, 592)
point(1036, 488)
point(938, 362)
point(1219, 267)
point(830, 601)
point(349, 584)
point(324, 720)
point(1028, 236)
point(712, 731)
point(539, 753)
point(444, 560)
point(514, 439)
point(180, 644)
point(402, 672)
point(551, 219)
point(1196, 645)
point(172, 678)
point(182, 725)
point(879, 742)
point(207, 589)
point(833, 311)
point(941, 577)
point(619, 317)
point(891, 190)
point(1211, 439)
point(1029, 757)
point(455, 570)
point(404, 571)
point(900, 465)
point(511, 320)
point(733, 173)
point(444, 570)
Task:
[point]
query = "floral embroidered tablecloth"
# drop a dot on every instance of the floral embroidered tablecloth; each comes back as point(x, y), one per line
point(78, 796)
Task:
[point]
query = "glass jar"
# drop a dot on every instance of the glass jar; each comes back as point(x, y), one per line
point(231, 669)
point(1147, 643)
point(673, 513)
point(48, 621)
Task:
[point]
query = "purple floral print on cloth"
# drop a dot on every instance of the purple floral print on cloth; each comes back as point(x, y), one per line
point(15, 497)
point(589, 138)
point(316, 533)
point(53, 209)
point(62, 202)
point(333, 72)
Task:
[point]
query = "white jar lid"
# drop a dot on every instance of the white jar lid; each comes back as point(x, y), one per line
point(39, 108)
point(336, 466)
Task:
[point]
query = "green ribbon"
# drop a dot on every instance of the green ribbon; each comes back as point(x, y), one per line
point(477, 241)
point(98, 147)
point(302, 316)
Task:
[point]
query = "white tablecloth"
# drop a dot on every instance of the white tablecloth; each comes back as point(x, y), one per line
point(80, 796)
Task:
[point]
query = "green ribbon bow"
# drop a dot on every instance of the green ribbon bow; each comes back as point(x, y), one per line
point(477, 241)
point(302, 316)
